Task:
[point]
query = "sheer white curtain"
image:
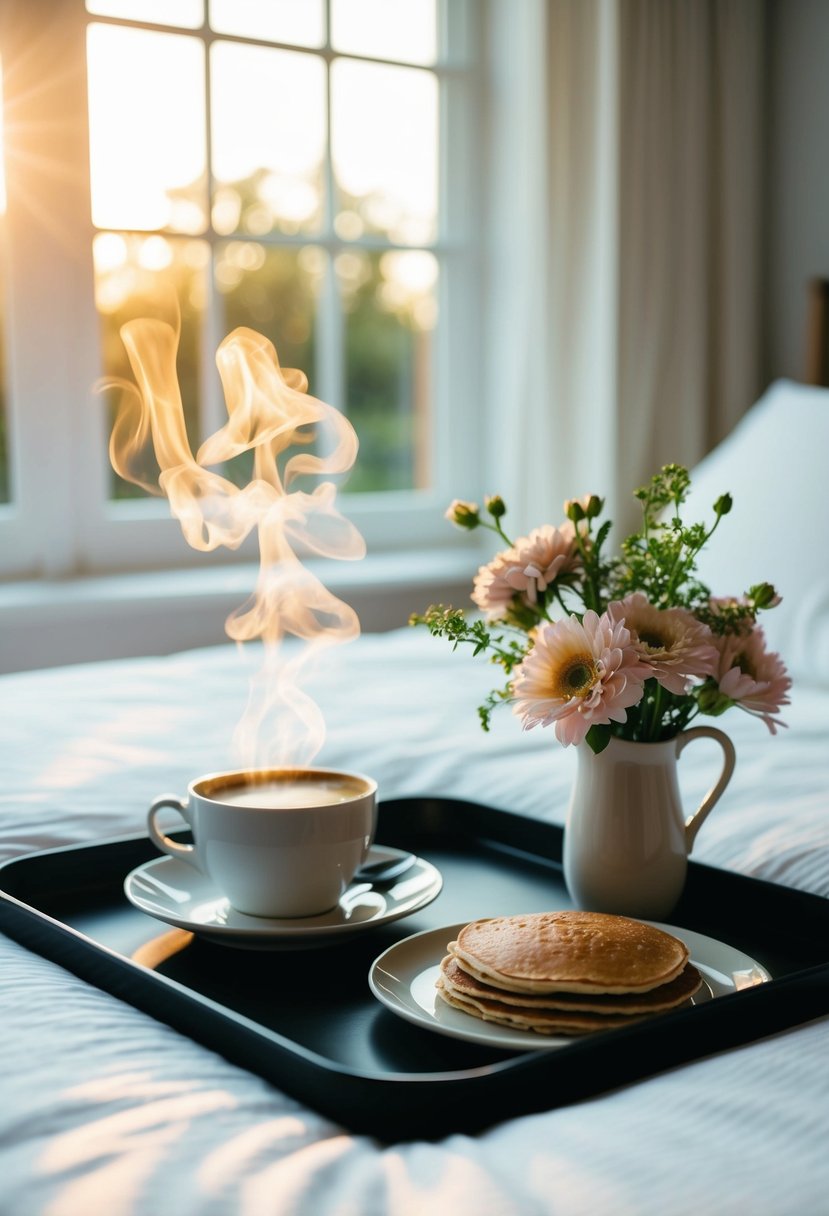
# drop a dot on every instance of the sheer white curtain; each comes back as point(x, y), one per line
point(624, 244)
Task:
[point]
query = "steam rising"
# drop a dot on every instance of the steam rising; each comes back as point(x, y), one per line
point(269, 412)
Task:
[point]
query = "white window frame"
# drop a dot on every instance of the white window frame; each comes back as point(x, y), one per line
point(61, 522)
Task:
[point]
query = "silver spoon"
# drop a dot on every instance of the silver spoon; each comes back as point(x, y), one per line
point(384, 871)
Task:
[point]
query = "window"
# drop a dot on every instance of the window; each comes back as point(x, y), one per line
point(285, 165)
point(5, 488)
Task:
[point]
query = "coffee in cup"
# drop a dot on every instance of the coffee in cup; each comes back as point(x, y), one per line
point(276, 842)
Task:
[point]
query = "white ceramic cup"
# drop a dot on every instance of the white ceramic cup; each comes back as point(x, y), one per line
point(276, 842)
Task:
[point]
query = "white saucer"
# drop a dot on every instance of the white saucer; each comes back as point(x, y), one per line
point(403, 978)
point(178, 894)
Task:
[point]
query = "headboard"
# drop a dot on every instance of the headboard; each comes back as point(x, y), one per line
point(817, 333)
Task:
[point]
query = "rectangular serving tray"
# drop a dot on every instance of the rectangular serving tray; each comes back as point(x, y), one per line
point(307, 1021)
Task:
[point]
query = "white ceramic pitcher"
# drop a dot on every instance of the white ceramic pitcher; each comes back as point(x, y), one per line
point(626, 840)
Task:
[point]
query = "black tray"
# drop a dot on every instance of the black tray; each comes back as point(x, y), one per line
point(307, 1021)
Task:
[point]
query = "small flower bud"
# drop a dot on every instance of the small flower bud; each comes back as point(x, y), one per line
point(711, 700)
point(763, 595)
point(463, 514)
point(723, 504)
point(495, 505)
point(586, 507)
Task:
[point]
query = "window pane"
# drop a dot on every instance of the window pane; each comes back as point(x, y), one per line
point(268, 120)
point(5, 480)
point(390, 305)
point(388, 29)
point(5, 489)
point(384, 149)
point(298, 21)
point(189, 14)
point(146, 130)
point(275, 292)
point(135, 277)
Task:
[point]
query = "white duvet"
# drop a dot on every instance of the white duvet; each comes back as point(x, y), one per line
point(105, 1110)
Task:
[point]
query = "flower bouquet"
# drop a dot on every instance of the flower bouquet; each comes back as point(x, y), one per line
point(631, 645)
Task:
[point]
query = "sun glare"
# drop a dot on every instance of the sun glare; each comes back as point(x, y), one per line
point(2, 148)
point(147, 134)
point(148, 127)
point(187, 13)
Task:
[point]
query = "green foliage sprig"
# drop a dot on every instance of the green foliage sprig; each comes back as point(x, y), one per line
point(660, 559)
point(505, 652)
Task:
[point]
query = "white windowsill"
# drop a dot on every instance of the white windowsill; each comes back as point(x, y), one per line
point(45, 623)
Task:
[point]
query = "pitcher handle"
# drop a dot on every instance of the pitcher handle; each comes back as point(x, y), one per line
point(694, 822)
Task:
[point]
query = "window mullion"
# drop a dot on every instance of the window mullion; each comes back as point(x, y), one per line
point(330, 335)
point(212, 413)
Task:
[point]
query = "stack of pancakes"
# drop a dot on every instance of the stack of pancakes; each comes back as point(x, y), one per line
point(566, 972)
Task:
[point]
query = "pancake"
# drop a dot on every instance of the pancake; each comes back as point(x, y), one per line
point(464, 987)
point(542, 1021)
point(566, 973)
point(569, 951)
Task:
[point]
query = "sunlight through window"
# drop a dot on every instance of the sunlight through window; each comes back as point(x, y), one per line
point(268, 132)
point(5, 492)
point(386, 29)
point(311, 170)
point(186, 13)
point(146, 129)
point(2, 148)
point(251, 179)
point(385, 156)
point(301, 22)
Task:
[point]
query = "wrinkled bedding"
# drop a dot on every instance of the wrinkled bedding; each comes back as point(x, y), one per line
point(106, 1110)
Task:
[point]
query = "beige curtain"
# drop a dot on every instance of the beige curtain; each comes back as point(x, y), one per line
point(625, 327)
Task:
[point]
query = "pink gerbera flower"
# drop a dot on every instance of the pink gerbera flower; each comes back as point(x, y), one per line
point(578, 675)
point(492, 588)
point(545, 554)
point(753, 677)
point(530, 566)
point(678, 647)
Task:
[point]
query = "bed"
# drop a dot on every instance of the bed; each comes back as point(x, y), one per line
point(106, 1109)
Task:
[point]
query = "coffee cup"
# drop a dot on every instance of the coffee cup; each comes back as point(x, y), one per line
point(276, 843)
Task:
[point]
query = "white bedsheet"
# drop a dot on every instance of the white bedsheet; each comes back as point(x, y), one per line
point(105, 1110)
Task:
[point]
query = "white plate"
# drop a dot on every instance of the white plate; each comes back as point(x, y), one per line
point(404, 976)
point(177, 893)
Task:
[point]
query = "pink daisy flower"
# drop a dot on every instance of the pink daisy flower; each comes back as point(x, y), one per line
point(530, 566)
point(678, 647)
point(577, 675)
point(545, 554)
point(752, 677)
point(492, 588)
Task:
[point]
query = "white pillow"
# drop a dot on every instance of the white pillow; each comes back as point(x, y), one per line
point(775, 465)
